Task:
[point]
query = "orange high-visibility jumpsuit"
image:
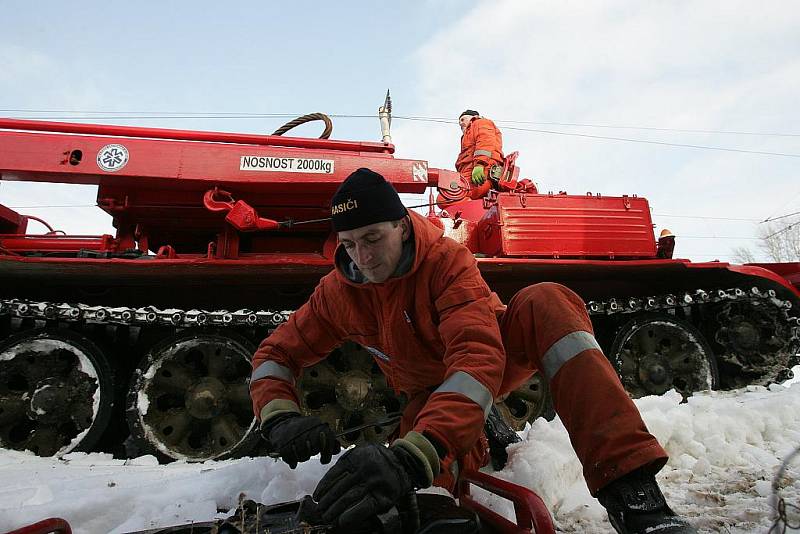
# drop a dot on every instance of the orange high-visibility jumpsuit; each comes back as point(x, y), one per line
point(446, 341)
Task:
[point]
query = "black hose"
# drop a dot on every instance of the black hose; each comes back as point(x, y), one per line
point(308, 118)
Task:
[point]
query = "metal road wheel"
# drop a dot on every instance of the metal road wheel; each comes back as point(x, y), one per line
point(189, 398)
point(756, 345)
point(655, 353)
point(56, 392)
point(527, 403)
point(348, 389)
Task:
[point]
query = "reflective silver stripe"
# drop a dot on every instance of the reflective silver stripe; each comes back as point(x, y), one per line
point(463, 383)
point(482, 153)
point(565, 349)
point(274, 370)
point(378, 354)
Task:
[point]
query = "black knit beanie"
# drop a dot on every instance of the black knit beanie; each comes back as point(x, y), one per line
point(469, 112)
point(364, 198)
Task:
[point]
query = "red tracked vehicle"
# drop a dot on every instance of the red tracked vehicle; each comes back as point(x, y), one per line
point(149, 332)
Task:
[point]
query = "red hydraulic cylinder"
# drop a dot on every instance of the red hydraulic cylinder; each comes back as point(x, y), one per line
point(57, 243)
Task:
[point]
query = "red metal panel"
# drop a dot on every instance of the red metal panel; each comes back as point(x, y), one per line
point(786, 274)
point(188, 165)
point(571, 226)
point(790, 271)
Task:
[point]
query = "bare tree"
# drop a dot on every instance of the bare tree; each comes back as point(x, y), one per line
point(780, 242)
point(743, 255)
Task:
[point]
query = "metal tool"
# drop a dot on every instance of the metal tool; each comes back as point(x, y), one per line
point(386, 420)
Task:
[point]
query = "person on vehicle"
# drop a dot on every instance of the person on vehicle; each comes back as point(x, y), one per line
point(481, 147)
point(417, 302)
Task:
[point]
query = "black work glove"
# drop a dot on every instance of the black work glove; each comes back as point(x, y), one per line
point(296, 438)
point(368, 480)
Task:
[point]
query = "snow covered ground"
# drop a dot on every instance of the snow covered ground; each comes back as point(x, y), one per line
point(725, 448)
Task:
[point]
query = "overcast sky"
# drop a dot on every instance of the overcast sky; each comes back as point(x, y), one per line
point(640, 71)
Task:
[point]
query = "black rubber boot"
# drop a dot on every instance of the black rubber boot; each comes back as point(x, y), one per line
point(500, 436)
point(636, 505)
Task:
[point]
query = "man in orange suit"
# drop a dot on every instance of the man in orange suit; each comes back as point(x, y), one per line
point(417, 302)
point(481, 148)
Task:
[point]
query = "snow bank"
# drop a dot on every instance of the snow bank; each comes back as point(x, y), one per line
point(724, 450)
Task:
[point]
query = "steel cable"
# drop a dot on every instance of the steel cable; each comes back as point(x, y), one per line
point(782, 522)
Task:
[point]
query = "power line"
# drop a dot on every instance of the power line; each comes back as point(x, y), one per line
point(662, 143)
point(625, 139)
point(679, 236)
point(611, 126)
point(791, 199)
point(655, 128)
point(715, 256)
point(166, 114)
point(448, 121)
point(655, 215)
point(770, 219)
point(238, 114)
point(705, 217)
point(784, 229)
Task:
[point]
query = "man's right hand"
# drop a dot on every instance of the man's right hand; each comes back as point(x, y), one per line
point(296, 438)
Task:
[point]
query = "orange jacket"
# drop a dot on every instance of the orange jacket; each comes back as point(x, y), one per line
point(422, 327)
point(481, 144)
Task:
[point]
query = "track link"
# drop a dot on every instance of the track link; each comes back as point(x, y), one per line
point(742, 368)
point(178, 318)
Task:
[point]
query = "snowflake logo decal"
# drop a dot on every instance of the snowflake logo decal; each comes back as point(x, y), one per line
point(112, 158)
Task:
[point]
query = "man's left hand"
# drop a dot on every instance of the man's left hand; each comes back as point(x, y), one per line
point(369, 480)
point(478, 175)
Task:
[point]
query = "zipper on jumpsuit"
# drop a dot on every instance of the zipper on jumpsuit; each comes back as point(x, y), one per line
point(384, 334)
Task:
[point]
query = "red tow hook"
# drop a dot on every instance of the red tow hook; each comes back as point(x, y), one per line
point(241, 215)
point(530, 510)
